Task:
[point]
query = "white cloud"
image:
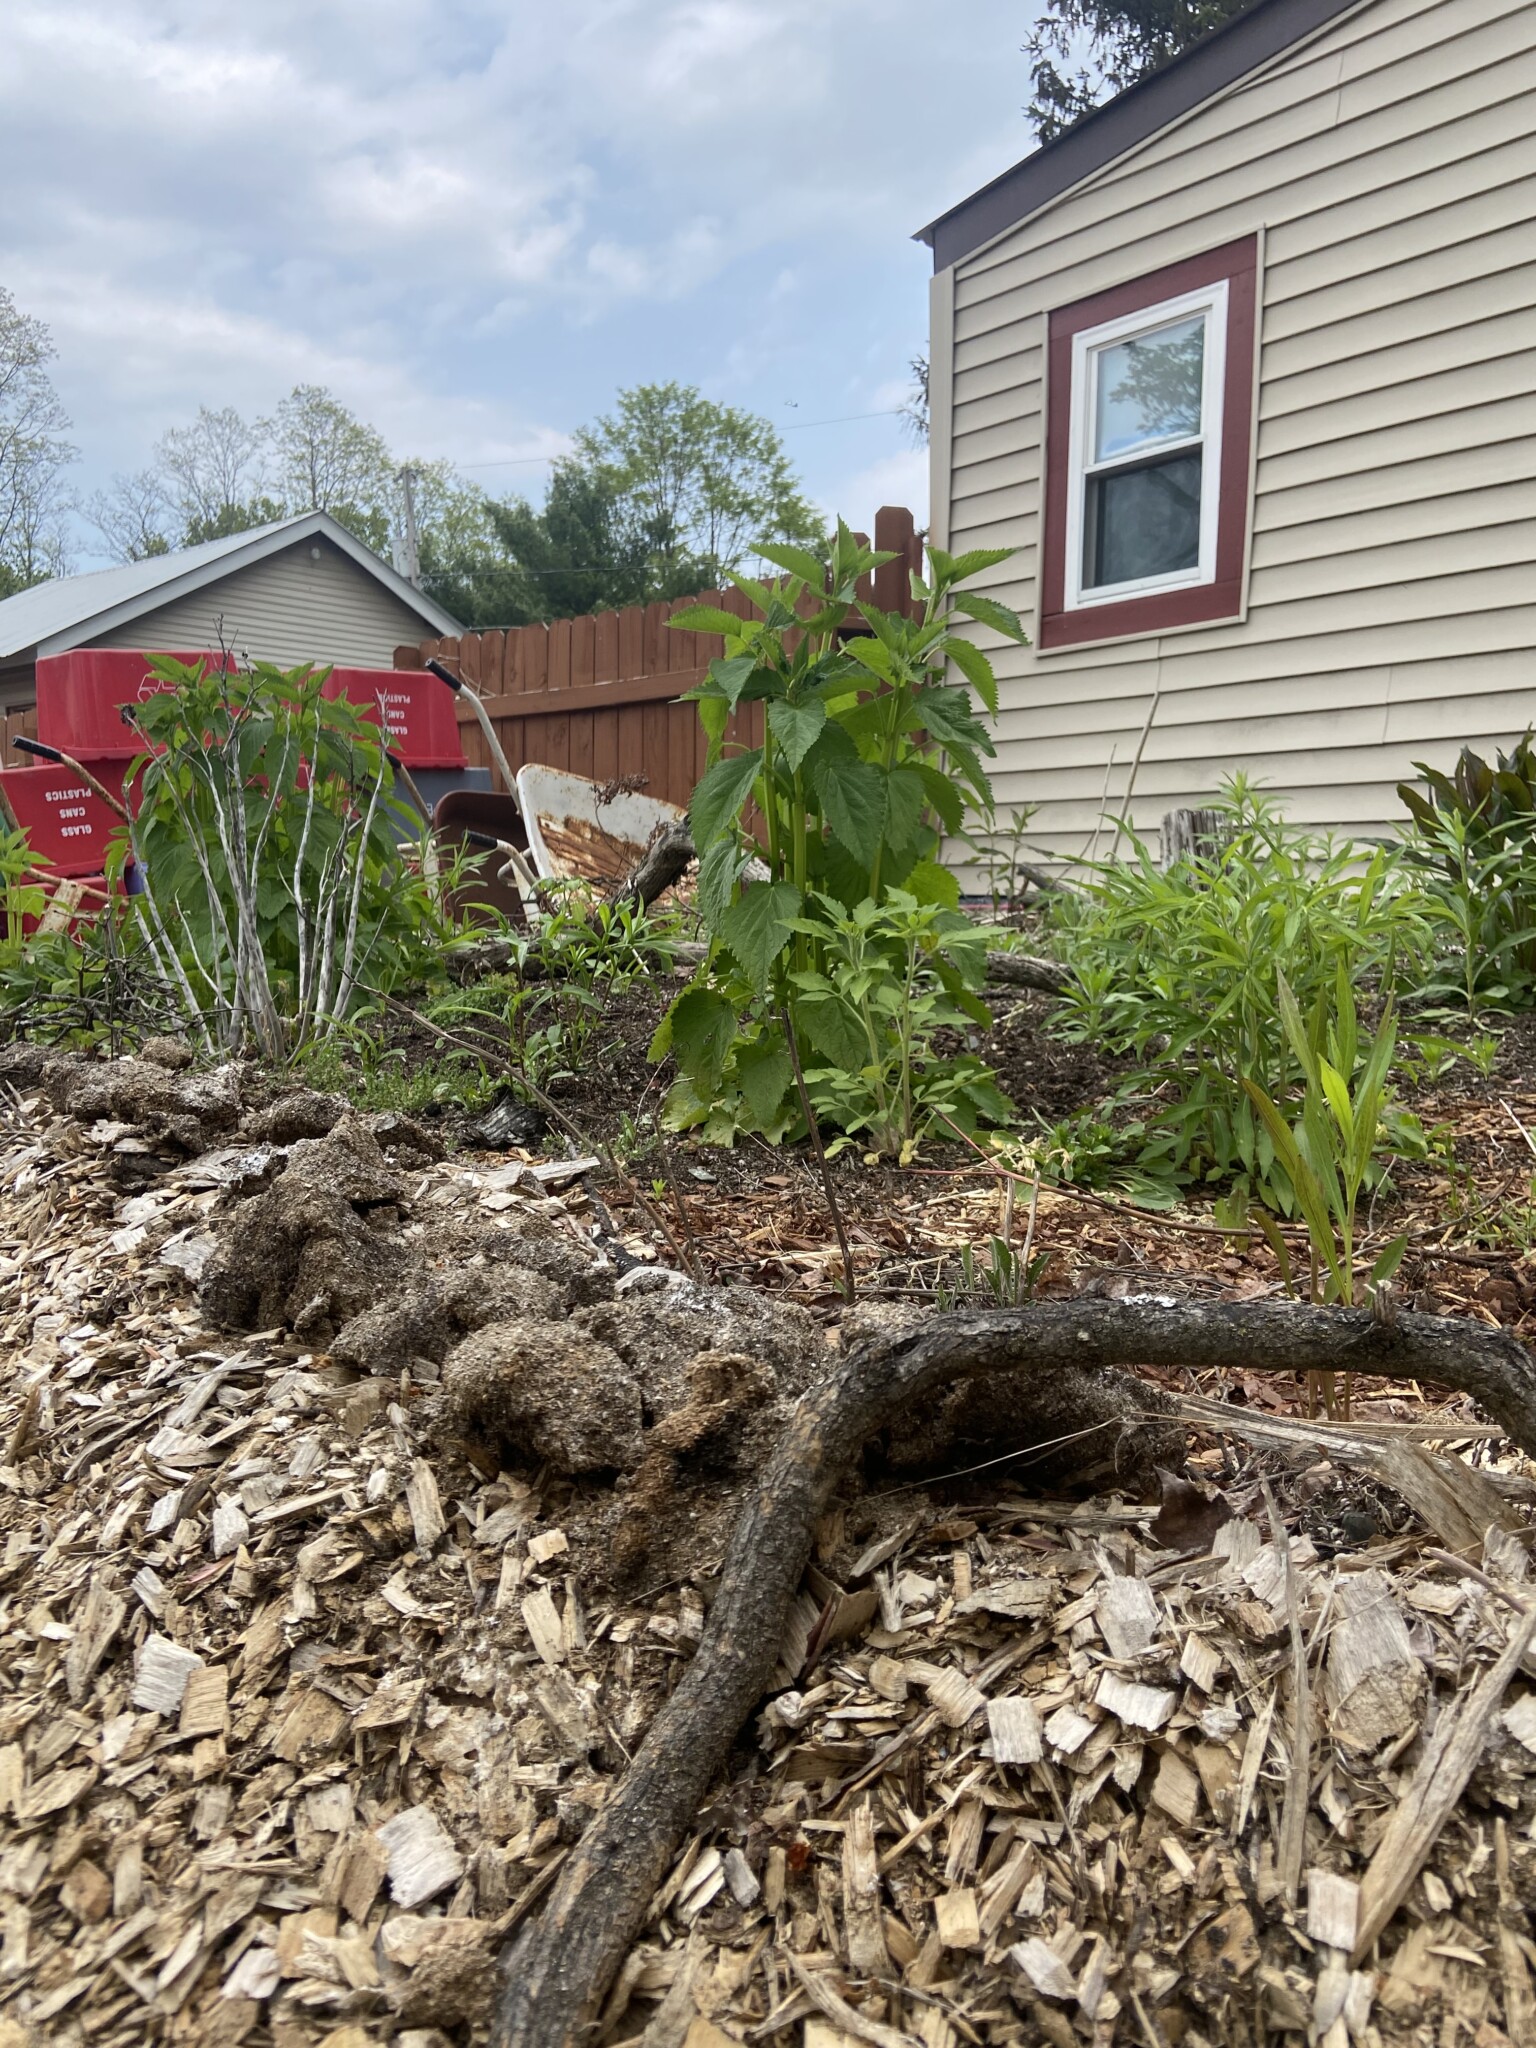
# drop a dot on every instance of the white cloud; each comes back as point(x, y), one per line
point(476, 219)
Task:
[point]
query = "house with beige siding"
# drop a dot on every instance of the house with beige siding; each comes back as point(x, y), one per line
point(299, 589)
point(1243, 367)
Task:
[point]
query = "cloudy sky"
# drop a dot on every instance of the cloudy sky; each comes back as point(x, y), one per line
point(475, 220)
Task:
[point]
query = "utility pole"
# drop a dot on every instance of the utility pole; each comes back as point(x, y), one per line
point(407, 553)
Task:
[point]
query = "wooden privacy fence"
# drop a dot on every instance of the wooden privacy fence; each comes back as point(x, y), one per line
point(18, 725)
point(597, 695)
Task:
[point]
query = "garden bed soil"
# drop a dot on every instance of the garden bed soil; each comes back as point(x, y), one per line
point(304, 1702)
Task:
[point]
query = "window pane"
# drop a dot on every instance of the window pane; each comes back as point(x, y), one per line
point(1149, 389)
point(1142, 522)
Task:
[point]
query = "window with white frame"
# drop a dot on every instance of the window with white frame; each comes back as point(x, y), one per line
point(1144, 477)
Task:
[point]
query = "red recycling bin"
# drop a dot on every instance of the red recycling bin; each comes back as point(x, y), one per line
point(68, 825)
point(80, 696)
point(415, 709)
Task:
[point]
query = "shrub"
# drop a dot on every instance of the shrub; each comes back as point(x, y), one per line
point(1473, 839)
point(868, 755)
point(282, 881)
point(1182, 970)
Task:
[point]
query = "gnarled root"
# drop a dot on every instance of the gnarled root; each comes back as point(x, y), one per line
point(560, 1967)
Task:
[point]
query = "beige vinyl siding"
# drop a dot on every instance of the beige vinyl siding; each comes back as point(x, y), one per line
point(1389, 164)
point(309, 603)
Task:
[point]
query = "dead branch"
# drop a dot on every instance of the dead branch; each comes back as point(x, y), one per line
point(561, 1965)
point(664, 862)
point(1023, 970)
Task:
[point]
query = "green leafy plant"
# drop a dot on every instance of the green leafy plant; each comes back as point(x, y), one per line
point(282, 883)
point(1003, 1279)
point(997, 846)
point(1181, 969)
point(21, 892)
point(550, 1010)
point(1473, 838)
point(1330, 1149)
point(867, 757)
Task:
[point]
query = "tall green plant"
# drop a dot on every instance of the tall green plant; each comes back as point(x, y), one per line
point(1330, 1149)
point(276, 885)
point(867, 757)
point(1473, 837)
point(1181, 969)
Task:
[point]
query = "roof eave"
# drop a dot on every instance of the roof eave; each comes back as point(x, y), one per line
point(271, 542)
point(1263, 31)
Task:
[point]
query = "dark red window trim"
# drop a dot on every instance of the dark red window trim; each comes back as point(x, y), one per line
point(1238, 263)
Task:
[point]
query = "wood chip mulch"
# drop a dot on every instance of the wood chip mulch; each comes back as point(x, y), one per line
point(298, 1720)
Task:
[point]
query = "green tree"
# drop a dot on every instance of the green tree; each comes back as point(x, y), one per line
point(33, 452)
point(1083, 51)
point(325, 459)
point(700, 486)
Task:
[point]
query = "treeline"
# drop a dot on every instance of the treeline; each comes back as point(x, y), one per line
point(659, 498)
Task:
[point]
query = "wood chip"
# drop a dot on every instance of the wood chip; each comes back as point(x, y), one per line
point(426, 1507)
point(204, 1702)
point(161, 1671)
point(957, 1919)
point(542, 1621)
point(1044, 1968)
point(867, 1953)
point(1017, 1736)
point(1129, 1617)
point(422, 1858)
point(1333, 1910)
point(1376, 1685)
point(954, 1698)
point(1139, 1706)
point(1176, 1788)
point(1200, 1664)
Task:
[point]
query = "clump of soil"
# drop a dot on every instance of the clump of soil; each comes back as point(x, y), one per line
point(315, 1248)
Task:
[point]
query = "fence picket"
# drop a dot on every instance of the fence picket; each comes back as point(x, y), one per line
point(629, 667)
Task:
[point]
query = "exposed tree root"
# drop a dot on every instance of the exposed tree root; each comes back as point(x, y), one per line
point(560, 1967)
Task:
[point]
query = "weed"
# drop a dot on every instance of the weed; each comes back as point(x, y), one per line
point(1181, 969)
point(1329, 1152)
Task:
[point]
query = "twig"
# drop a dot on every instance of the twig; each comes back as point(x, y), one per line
point(1130, 780)
point(1291, 1849)
point(814, 1133)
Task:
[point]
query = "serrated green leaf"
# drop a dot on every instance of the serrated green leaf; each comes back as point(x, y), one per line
point(717, 880)
point(944, 799)
point(732, 674)
point(931, 883)
point(797, 727)
point(986, 611)
point(975, 667)
point(965, 566)
point(798, 561)
point(905, 797)
point(945, 712)
point(705, 618)
point(832, 1029)
point(699, 1029)
point(851, 794)
point(756, 927)
point(721, 795)
point(765, 1076)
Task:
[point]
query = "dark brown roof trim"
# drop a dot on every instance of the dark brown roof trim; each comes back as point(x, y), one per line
point(1265, 30)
